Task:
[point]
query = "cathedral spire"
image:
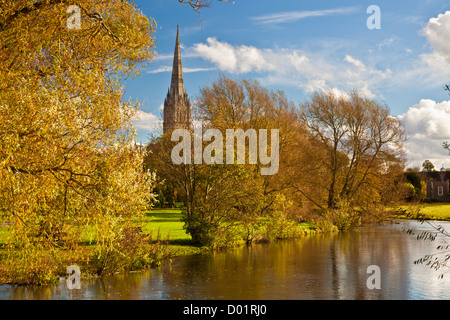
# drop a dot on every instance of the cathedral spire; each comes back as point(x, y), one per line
point(177, 84)
point(177, 107)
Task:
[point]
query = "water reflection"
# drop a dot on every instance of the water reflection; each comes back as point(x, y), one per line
point(319, 267)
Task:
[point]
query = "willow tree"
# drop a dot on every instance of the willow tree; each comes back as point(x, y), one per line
point(363, 148)
point(239, 193)
point(67, 161)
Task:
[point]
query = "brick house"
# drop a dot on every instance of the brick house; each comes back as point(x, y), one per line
point(438, 185)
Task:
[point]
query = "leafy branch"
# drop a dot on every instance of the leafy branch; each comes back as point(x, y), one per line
point(440, 258)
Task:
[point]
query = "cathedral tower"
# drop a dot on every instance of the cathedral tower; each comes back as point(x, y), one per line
point(177, 107)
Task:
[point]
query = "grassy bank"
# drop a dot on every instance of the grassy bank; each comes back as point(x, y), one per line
point(160, 238)
point(431, 211)
point(167, 223)
point(164, 224)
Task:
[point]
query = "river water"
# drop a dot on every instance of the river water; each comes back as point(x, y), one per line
point(331, 266)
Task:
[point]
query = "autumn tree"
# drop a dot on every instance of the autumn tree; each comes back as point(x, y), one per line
point(215, 196)
point(67, 161)
point(247, 105)
point(362, 144)
point(427, 166)
point(220, 199)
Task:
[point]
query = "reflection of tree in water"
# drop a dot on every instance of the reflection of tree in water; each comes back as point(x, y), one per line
point(319, 267)
point(351, 253)
point(231, 274)
point(131, 286)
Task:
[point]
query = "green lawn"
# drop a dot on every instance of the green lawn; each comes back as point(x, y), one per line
point(4, 232)
point(432, 211)
point(166, 223)
point(163, 222)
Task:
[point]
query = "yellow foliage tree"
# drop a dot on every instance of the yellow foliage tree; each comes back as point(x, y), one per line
point(67, 159)
point(363, 147)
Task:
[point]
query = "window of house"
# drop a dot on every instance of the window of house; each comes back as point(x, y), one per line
point(440, 191)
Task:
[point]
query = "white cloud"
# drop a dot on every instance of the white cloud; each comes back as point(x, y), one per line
point(310, 71)
point(432, 68)
point(365, 92)
point(164, 57)
point(185, 70)
point(161, 69)
point(357, 63)
point(315, 85)
point(331, 64)
point(233, 59)
point(146, 121)
point(437, 32)
point(393, 40)
point(189, 70)
point(339, 93)
point(298, 61)
point(324, 74)
point(427, 127)
point(429, 119)
point(291, 16)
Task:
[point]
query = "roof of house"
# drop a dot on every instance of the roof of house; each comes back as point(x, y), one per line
point(435, 175)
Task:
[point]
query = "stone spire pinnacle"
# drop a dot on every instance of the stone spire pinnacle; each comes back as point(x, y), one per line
point(177, 84)
point(177, 107)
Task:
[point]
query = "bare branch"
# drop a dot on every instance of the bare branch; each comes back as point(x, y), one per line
point(197, 5)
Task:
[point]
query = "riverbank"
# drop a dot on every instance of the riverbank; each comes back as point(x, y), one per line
point(328, 267)
point(427, 211)
point(167, 222)
point(165, 229)
point(156, 238)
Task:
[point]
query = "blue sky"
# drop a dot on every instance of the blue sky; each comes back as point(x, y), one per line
point(302, 46)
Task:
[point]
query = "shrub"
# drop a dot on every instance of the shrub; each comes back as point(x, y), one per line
point(208, 233)
point(323, 224)
point(201, 230)
point(24, 267)
point(131, 251)
point(279, 226)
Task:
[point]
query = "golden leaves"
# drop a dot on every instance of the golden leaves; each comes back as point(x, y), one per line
point(66, 145)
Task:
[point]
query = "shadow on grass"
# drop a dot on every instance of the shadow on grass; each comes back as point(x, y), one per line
point(176, 242)
point(165, 220)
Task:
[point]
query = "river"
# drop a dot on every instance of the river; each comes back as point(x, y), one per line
point(329, 266)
